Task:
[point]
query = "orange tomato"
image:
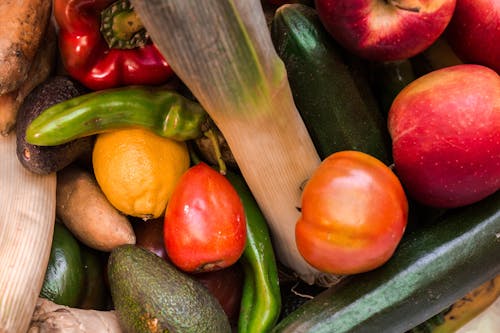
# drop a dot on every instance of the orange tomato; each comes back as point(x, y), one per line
point(354, 213)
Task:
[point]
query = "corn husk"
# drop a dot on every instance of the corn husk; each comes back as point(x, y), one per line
point(223, 52)
point(27, 215)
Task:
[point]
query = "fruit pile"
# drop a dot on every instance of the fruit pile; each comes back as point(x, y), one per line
point(190, 167)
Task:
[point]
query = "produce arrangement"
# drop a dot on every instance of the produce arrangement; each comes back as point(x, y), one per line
point(249, 166)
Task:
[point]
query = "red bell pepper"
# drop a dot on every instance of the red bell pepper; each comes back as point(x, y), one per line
point(103, 44)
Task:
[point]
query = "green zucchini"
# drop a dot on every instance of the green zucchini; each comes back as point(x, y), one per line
point(335, 109)
point(433, 266)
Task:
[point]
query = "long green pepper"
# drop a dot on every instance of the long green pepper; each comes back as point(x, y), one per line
point(261, 300)
point(162, 111)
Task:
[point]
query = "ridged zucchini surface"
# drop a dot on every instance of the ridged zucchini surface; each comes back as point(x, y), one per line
point(433, 266)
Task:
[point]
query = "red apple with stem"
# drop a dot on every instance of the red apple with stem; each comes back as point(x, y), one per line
point(445, 128)
point(474, 32)
point(385, 30)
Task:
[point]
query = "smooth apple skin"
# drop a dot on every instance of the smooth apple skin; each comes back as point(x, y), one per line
point(445, 130)
point(379, 30)
point(474, 32)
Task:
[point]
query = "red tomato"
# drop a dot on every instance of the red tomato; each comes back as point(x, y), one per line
point(205, 225)
point(225, 284)
point(354, 213)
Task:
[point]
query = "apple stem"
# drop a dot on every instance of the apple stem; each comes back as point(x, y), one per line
point(397, 4)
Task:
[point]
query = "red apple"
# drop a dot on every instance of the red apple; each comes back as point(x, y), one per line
point(385, 30)
point(474, 32)
point(445, 128)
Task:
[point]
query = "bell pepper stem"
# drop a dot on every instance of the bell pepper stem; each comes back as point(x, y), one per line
point(121, 27)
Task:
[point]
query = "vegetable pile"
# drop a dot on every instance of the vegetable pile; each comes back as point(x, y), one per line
point(248, 166)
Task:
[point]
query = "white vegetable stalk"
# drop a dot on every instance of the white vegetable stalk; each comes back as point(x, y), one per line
point(27, 215)
point(223, 52)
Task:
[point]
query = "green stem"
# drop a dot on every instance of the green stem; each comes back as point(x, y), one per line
point(121, 27)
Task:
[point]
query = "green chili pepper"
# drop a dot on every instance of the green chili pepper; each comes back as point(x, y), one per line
point(162, 111)
point(261, 300)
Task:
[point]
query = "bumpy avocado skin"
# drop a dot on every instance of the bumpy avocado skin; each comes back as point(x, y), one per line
point(151, 295)
point(47, 159)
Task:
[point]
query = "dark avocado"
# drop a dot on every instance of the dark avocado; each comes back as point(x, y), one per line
point(48, 159)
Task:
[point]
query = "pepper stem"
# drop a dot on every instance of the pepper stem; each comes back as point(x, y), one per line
point(121, 27)
point(215, 145)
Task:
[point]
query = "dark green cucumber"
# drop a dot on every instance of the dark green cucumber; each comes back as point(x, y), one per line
point(334, 108)
point(64, 278)
point(433, 267)
point(95, 294)
point(151, 295)
point(388, 79)
point(437, 56)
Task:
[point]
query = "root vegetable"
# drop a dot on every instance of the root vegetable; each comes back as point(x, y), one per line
point(22, 24)
point(49, 317)
point(42, 66)
point(84, 209)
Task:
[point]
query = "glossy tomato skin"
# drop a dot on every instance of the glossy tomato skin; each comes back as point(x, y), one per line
point(205, 226)
point(354, 213)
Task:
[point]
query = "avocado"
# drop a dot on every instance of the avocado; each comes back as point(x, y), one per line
point(48, 159)
point(151, 295)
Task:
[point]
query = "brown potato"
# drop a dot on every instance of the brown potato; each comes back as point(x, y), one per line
point(83, 208)
point(22, 25)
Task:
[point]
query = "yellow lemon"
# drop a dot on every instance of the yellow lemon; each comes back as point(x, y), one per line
point(137, 170)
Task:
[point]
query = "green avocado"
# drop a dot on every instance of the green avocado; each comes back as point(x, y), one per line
point(151, 295)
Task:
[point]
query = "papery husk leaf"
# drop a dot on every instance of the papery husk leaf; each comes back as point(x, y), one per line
point(27, 216)
point(223, 52)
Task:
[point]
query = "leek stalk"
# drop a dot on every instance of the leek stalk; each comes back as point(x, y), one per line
point(223, 52)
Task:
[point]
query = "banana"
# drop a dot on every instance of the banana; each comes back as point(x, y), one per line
point(463, 310)
point(469, 306)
